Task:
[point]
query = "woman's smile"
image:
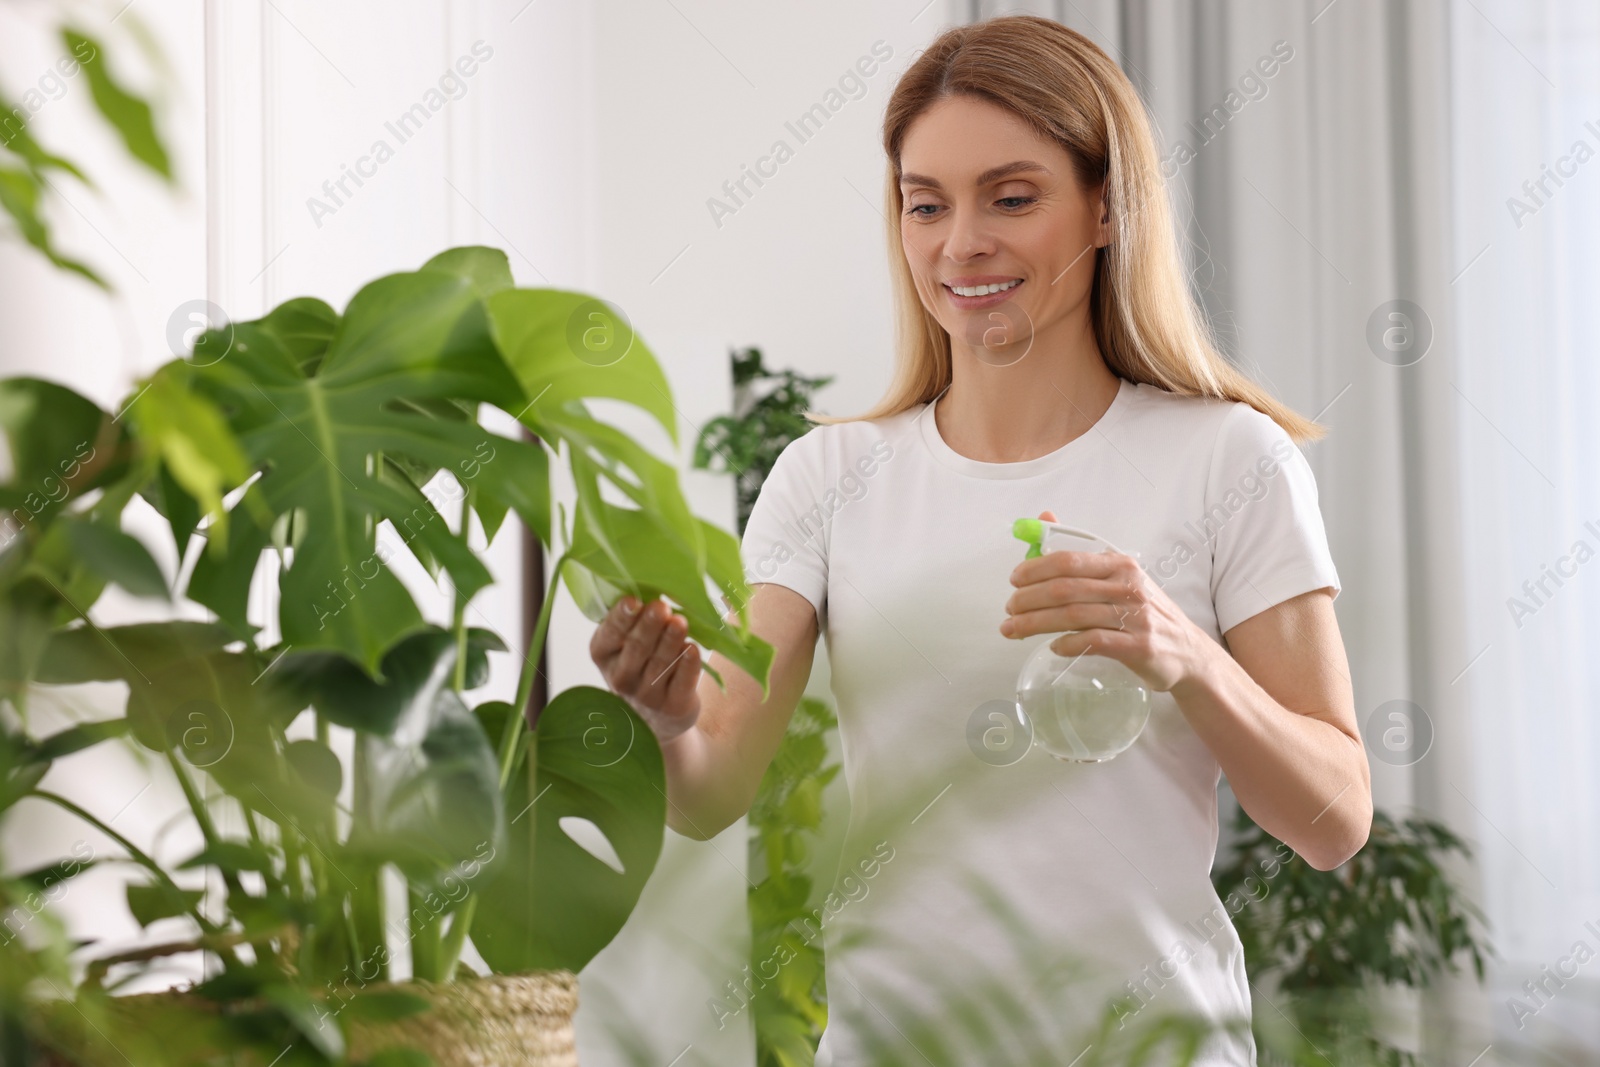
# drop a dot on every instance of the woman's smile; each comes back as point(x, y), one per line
point(974, 292)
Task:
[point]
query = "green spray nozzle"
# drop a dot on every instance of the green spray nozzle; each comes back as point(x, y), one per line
point(1031, 531)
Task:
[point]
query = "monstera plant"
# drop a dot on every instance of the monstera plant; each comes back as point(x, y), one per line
point(325, 736)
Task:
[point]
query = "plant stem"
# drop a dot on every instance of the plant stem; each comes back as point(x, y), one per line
point(366, 896)
point(139, 856)
point(424, 938)
point(530, 665)
point(202, 817)
point(272, 879)
point(465, 535)
point(455, 939)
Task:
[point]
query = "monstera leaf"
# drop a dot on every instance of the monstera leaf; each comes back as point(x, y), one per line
point(656, 549)
point(569, 346)
point(428, 795)
point(317, 402)
point(591, 771)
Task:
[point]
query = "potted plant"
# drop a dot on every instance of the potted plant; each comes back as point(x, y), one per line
point(1327, 939)
point(338, 733)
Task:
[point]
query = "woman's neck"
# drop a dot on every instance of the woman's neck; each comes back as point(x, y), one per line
point(1011, 414)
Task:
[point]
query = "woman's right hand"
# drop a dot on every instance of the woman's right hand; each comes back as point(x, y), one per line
point(644, 658)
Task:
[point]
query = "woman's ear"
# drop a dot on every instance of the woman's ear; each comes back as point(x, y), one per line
point(1103, 234)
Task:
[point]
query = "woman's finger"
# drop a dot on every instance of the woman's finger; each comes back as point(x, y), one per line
point(685, 675)
point(641, 643)
point(1056, 592)
point(668, 647)
point(613, 630)
point(1071, 617)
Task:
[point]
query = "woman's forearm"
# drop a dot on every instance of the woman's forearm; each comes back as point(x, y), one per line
point(1303, 780)
point(700, 802)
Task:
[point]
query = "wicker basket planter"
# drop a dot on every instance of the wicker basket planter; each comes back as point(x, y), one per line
point(523, 1020)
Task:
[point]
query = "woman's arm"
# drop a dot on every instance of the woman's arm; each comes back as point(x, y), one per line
point(1278, 713)
point(1280, 717)
point(717, 743)
point(714, 769)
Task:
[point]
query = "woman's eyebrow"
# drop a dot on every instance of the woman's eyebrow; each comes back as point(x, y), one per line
point(993, 174)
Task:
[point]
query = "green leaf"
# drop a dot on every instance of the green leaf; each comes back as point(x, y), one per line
point(487, 268)
point(316, 765)
point(405, 340)
point(27, 615)
point(191, 436)
point(296, 1005)
point(118, 557)
point(79, 737)
point(549, 902)
point(593, 594)
point(429, 795)
point(181, 510)
point(42, 879)
point(656, 549)
point(304, 327)
point(231, 856)
point(62, 445)
point(19, 197)
point(101, 654)
point(385, 1005)
point(566, 346)
point(128, 114)
point(221, 579)
point(346, 696)
point(150, 903)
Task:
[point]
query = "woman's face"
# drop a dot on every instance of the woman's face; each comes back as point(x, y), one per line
point(989, 203)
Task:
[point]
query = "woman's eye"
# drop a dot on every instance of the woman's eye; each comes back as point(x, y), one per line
point(1016, 201)
point(917, 210)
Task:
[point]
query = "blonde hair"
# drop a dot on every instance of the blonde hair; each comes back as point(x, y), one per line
point(1147, 323)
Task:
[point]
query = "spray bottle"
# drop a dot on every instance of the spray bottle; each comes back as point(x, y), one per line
point(1083, 709)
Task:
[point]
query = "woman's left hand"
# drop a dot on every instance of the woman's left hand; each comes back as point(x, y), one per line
point(1119, 612)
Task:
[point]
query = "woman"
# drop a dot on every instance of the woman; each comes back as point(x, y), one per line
point(1051, 362)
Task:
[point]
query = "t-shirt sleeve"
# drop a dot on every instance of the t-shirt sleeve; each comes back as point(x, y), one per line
point(1261, 499)
point(786, 537)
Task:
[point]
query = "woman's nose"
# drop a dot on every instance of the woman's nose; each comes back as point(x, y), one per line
point(968, 236)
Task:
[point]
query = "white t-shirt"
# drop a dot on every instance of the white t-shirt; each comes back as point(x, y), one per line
point(904, 547)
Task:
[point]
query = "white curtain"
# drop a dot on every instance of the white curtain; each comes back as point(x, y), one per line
point(1525, 158)
point(1361, 234)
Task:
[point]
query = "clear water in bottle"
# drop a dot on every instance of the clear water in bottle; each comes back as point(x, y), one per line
point(1083, 709)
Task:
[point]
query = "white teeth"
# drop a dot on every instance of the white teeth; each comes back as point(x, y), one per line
point(984, 290)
